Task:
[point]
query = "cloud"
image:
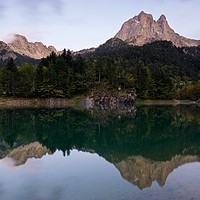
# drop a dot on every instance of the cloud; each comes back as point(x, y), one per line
point(7, 38)
point(38, 5)
point(31, 8)
point(8, 162)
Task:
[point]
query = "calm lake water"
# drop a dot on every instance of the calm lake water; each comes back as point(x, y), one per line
point(66, 154)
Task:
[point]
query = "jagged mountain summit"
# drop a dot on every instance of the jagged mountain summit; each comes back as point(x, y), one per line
point(139, 30)
point(6, 53)
point(143, 29)
point(35, 50)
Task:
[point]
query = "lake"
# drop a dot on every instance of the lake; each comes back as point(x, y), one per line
point(147, 152)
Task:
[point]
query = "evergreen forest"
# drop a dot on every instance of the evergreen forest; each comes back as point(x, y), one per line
point(158, 70)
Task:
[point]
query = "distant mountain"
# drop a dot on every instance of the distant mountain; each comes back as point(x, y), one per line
point(21, 50)
point(143, 29)
point(35, 50)
point(6, 53)
point(137, 31)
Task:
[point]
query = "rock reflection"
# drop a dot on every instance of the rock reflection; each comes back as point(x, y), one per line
point(21, 154)
point(142, 172)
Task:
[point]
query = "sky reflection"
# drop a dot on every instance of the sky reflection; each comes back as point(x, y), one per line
point(87, 176)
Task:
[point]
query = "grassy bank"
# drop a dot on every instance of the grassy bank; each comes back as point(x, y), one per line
point(164, 102)
point(15, 102)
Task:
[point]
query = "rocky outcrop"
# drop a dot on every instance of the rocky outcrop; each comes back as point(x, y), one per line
point(34, 50)
point(6, 52)
point(111, 100)
point(4, 46)
point(142, 172)
point(33, 150)
point(144, 29)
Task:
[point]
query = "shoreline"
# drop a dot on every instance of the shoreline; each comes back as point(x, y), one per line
point(15, 102)
point(173, 102)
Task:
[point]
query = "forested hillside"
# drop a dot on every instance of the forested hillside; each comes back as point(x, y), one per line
point(157, 71)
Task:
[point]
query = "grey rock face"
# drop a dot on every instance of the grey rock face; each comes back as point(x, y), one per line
point(6, 52)
point(143, 29)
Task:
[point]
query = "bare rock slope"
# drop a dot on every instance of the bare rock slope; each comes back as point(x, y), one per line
point(143, 29)
point(34, 50)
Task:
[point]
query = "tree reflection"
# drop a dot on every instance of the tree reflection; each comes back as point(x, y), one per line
point(156, 132)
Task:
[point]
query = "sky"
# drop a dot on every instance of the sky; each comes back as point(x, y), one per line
point(82, 24)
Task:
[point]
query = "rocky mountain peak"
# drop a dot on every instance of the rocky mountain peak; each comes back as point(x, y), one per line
point(143, 29)
point(35, 50)
point(19, 37)
point(164, 26)
point(144, 16)
point(162, 18)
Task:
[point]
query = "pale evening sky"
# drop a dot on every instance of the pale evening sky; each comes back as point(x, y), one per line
point(79, 24)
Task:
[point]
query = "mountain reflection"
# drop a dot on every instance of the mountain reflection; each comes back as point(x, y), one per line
point(22, 153)
point(142, 172)
point(144, 148)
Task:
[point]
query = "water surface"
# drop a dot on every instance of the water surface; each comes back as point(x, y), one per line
point(69, 154)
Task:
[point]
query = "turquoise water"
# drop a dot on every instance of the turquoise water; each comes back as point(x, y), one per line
point(66, 154)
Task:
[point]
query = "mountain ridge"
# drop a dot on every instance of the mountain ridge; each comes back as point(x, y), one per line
point(137, 31)
point(36, 50)
point(143, 29)
point(7, 53)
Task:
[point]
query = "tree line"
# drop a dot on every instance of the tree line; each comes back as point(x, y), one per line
point(157, 71)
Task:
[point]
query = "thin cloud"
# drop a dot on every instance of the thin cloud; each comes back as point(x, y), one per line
point(37, 5)
point(2, 9)
point(32, 8)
